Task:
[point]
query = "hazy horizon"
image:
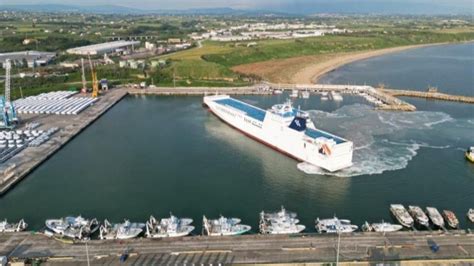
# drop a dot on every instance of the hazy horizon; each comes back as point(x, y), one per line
point(292, 6)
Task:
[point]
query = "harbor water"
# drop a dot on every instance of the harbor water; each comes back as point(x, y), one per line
point(156, 155)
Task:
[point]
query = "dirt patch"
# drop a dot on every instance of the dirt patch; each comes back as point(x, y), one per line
point(308, 69)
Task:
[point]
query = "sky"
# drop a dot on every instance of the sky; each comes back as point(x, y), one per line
point(300, 6)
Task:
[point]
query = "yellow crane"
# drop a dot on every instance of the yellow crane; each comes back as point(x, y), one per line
point(95, 83)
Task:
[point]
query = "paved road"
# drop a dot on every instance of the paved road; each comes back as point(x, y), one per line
point(372, 247)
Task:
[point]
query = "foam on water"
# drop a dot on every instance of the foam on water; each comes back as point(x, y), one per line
point(385, 141)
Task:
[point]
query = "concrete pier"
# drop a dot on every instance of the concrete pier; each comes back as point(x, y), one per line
point(457, 246)
point(430, 95)
point(381, 100)
point(250, 90)
point(19, 166)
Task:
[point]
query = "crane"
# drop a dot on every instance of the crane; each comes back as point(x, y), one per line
point(84, 84)
point(95, 84)
point(8, 113)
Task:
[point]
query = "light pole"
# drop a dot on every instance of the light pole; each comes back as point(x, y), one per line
point(338, 244)
point(87, 254)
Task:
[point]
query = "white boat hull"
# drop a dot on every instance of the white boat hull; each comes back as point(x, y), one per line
point(282, 138)
point(228, 233)
point(293, 230)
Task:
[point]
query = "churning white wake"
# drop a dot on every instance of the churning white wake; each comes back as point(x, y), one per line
point(386, 141)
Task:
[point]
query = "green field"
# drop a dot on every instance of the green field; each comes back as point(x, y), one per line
point(214, 59)
point(209, 64)
point(280, 49)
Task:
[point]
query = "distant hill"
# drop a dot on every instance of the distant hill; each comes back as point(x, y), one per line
point(115, 9)
point(299, 7)
point(106, 9)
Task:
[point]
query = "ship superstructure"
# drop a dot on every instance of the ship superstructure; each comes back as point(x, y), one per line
point(286, 129)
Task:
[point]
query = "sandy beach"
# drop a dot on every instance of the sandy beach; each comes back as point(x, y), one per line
point(309, 69)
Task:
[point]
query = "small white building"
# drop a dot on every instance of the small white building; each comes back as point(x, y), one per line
point(149, 46)
point(231, 38)
point(123, 64)
point(132, 64)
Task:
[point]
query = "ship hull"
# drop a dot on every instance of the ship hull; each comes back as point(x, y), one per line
point(282, 138)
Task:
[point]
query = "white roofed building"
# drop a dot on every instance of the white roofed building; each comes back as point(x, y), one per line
point(102, 48)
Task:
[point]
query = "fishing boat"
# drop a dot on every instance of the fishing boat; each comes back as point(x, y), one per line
point(224, 226)
point(175, 220)
point(402, 215)
point(435, 216)
point(382, 227)
point(420, 217)
point(450, 218)
point(324, 96)
point(125, 230)
point(280, 222)
point(294, 94)
point(277, 91)
point(335, 96)
point(335, 225)
point(470, 154)
point(282, 214)
point(73, 227)
point(6, 227)
point(280, 227)
point(168, 227)
point(305, 94)
point(285, 129)
point(470, 215)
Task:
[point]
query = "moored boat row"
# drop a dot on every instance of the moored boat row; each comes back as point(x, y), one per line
point(416, 216)
point(279, 222)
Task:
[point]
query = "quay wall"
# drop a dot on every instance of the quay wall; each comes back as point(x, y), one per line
point(430, 95)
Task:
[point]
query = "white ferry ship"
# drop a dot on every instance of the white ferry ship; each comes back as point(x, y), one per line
point(285, 129)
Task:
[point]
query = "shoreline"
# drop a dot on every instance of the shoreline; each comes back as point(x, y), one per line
point(314, 72)
point(308, 69)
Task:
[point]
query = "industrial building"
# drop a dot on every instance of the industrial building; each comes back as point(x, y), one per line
point(27, 58)
point(102, 48)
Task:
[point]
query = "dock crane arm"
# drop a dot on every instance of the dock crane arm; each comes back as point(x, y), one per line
point(95, 84)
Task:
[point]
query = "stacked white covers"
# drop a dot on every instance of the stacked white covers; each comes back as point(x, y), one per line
point(59, 103)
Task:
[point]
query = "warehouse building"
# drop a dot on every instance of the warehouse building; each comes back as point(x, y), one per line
point(103, 48)
point(27, 58)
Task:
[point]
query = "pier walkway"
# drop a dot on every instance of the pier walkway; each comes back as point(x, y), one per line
point(249, 90)
point(301, 248)
point(381, 100)
point(430, 95)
